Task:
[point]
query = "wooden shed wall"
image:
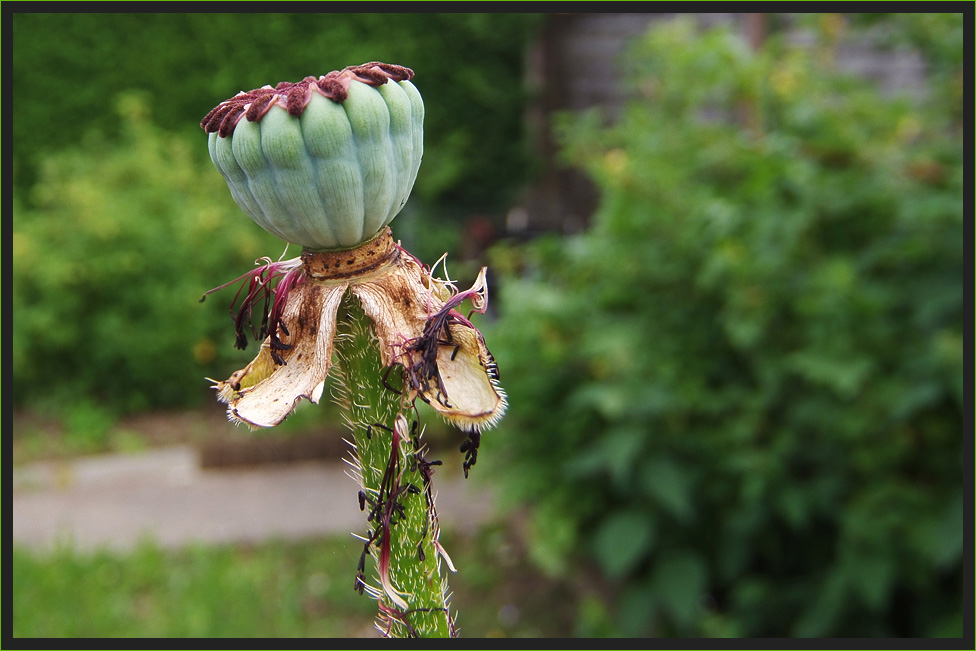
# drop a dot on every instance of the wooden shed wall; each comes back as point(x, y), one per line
point(573, 65)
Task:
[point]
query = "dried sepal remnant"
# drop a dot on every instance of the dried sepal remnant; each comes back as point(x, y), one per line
point(294, 97)
point(418, 326)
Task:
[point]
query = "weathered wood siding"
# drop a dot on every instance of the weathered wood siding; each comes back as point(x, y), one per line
point(574, 66)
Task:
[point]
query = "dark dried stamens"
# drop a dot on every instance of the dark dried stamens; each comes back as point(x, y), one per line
point(268, 286)
point(470, 449)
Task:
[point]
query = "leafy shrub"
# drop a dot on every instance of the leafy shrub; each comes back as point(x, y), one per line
point(109, 266)
point(740, 392)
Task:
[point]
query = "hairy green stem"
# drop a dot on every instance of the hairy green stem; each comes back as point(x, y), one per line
point(397, 496)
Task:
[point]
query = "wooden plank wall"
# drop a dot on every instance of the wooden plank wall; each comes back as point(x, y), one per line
point(573, 66)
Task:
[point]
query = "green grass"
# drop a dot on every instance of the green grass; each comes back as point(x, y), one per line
point(272, 590)
point(275, 589)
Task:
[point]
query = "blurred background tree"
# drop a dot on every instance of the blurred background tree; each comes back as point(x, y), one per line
point(740, 393)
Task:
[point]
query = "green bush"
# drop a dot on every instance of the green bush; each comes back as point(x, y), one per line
point(740, 392)
point(109, 266)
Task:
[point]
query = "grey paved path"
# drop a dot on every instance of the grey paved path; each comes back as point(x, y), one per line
point(116, 500)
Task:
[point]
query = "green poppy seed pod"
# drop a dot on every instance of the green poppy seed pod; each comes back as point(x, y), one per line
point(326, 162)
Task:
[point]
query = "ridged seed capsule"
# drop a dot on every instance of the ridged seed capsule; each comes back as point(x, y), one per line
point(327, 162)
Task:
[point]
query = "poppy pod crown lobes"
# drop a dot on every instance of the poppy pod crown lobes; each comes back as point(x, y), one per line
point(327, 163)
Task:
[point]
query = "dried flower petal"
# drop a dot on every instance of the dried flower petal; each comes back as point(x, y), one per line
point(447, 365)
point(443, 355)
point(263, 399)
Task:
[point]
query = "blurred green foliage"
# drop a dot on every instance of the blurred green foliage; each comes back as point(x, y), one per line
point(740, 392)
point(67, 68)
point(109, 264)
point(273, 590)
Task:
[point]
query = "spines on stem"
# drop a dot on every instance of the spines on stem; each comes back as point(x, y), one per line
point(396, 494)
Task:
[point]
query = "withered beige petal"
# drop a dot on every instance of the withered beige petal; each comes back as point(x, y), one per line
point(261, 395)
point(399, 303)
point(257, 370)
point(474, 401)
